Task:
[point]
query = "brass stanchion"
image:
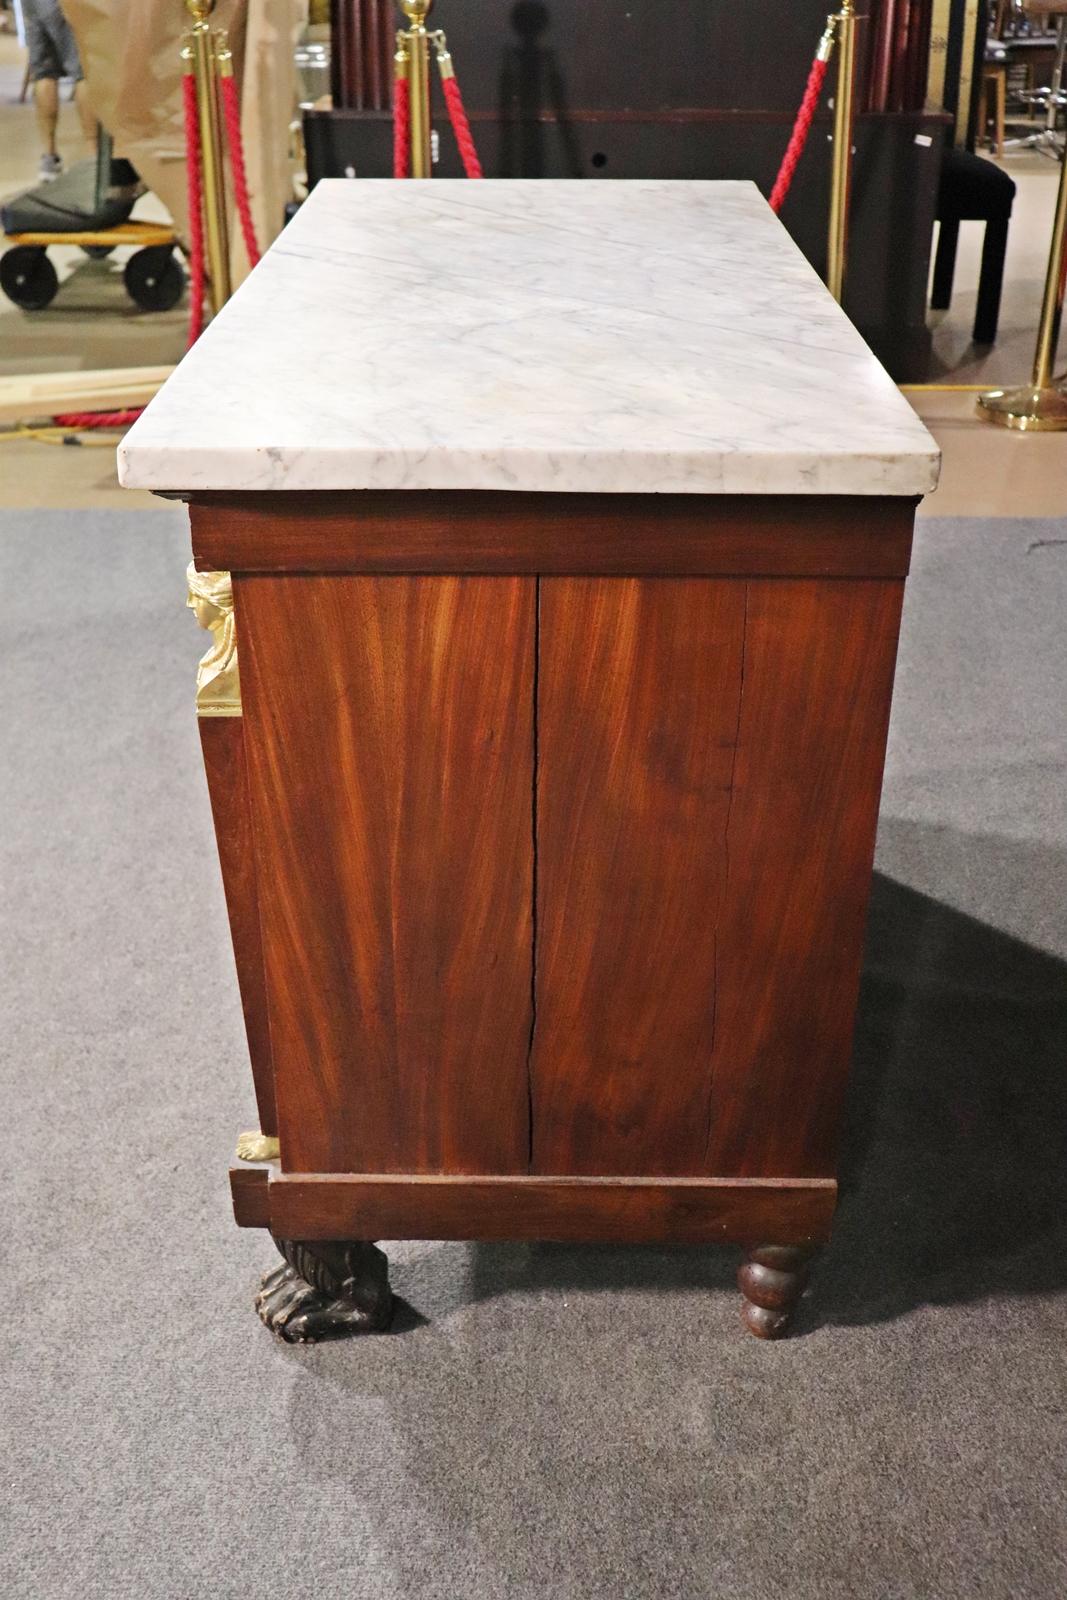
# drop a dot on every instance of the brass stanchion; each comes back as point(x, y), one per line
point(402, 60)
point(416, 42)
point(844, 25)
point(200, 51)
point(1041, 405)
point(413, 136)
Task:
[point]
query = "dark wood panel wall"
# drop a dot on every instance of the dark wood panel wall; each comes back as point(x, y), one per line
point(605, 55)
point(632, 89)
point(362, 35)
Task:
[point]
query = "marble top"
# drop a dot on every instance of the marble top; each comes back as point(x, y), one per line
point(633, 336)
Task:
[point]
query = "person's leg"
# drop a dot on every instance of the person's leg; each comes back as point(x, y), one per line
point(66, 49)
point(85, 113)
point(44, 69)
point(54, 55)
point(46, 105)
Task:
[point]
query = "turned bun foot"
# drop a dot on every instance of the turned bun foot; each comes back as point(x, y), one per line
point(326, 1289)
point(771, 1279)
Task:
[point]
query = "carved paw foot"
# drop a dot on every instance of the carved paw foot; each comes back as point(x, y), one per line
point(771, 1280)
point(325, 1290)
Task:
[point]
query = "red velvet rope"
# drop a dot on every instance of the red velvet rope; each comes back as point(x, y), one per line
point(461, 128)
point(195, 198)
point(799, 136)
point(85, 420)
point(232, 115)
point(97, 419)
point(401, 128)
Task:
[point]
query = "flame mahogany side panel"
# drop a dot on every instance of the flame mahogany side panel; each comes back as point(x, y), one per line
point(389, 728)
point(563, 813)
point(222, 744)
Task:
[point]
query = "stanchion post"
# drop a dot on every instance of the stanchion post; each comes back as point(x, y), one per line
point(841, 174)
point(216, 233)
point(1041, 405)
point(418, 46)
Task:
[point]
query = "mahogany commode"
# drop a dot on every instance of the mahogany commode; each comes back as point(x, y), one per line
point(553, 538)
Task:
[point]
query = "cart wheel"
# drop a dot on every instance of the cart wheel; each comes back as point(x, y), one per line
point(153, 278)
point(98, 252)
point(28, 277)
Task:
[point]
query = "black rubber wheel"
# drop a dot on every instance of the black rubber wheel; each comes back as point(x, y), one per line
point(98, 252)
point(153, 278)
point(28, 277)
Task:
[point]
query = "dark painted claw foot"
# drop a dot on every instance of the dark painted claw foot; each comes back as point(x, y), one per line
point(771, 1280)
point(326, 1289)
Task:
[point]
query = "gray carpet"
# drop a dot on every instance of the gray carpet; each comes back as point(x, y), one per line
point(546, 1421)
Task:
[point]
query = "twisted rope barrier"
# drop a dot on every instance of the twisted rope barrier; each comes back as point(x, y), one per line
point(801, 129)
point(808, 106)
point(457, 114)
point(401, 127)
point(231, 113)
point(86, 420)
point(460, 126)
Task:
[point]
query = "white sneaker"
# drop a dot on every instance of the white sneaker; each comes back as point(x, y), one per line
point(51, 167)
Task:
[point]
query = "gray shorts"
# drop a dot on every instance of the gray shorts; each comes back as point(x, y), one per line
point(53, 53)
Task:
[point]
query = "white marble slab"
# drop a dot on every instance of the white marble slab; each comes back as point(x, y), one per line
point(590, 336)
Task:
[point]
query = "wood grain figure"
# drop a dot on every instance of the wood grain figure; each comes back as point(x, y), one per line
point(638, 697)
point(818, 674)
point(390, 742)
point(222, 744)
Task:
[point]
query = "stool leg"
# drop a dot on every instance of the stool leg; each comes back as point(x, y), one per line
point(982, 120)
point(990, 281)
point(948, 237)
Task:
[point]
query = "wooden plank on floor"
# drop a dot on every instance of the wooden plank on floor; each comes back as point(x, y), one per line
point(29, 396)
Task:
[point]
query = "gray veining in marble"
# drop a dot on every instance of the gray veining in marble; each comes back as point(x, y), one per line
point(648, 337)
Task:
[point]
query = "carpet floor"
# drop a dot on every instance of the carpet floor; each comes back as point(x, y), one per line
point(546, 1422)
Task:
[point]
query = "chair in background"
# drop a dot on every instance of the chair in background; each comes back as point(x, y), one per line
point(973, 190)
point(1050, 100)
point(995, 79)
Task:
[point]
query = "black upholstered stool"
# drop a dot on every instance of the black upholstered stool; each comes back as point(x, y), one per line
point(973, 190)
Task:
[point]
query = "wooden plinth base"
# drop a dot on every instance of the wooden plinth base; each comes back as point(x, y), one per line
point(335, 1281)
point(795, 1212)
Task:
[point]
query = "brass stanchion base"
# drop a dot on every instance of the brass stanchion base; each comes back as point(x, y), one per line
point(1027, 408)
